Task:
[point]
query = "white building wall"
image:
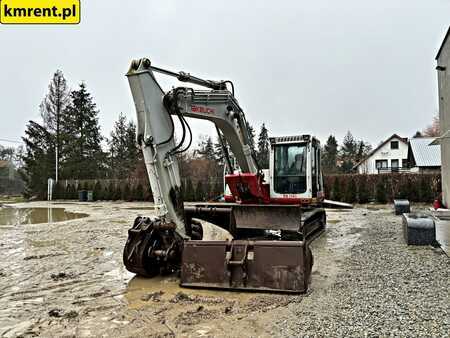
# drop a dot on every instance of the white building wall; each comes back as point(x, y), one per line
point(444, 117)
point(384, 153)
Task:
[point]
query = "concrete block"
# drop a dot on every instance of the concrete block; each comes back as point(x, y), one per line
point(418, 229)
point(401, 207)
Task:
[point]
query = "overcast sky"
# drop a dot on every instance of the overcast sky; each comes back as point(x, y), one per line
point(321, 67)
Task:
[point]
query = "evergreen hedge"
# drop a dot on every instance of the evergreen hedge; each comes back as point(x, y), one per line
point(382, 188)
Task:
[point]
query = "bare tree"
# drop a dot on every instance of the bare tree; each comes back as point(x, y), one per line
point(433, 130)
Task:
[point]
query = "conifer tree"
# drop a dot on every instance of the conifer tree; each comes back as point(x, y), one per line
point(330, 155)
point(83, 156)
point(207, 149)
point(123, 151)
point(39, 159)
point(348, 152)
point(251, 132)
point(263, 147)
point(52, 108)
point(363, 149)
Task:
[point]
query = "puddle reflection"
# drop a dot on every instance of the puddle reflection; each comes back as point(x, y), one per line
point(18, 216)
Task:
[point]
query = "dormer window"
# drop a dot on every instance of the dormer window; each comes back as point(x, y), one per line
point(394, 144)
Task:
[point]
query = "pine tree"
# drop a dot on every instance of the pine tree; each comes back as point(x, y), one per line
point(330, 155)
point(53, 106)
point(207, 149)
point(348, 153)
point(218, 149)
point(263, 147)
point(39, 160)
point(123, 151)
point(83, 156)
point(252, 135)
point(363, 149)
point(7, 153)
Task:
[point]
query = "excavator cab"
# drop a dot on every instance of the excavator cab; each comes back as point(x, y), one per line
point(295, 172)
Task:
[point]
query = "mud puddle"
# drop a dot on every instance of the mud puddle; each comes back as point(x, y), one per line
point(167, 289)
point(139, 208)
point(18, 216)
point(333, 221)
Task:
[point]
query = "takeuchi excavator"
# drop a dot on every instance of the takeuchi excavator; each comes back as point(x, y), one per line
point(272, 215)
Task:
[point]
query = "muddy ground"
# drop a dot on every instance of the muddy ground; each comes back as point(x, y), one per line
point(67, 279)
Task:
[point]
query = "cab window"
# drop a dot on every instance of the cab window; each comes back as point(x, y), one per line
point(290, 169)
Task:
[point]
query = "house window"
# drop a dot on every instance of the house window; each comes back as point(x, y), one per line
point(381, 164)
point(394, 163)
point(394, 144)
point(405, 163)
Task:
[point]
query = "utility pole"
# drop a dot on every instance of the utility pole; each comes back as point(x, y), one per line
point(58, 109)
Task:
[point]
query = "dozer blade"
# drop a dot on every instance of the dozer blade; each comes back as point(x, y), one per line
point(280, 266)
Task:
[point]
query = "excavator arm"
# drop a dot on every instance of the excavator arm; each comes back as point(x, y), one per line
point(155, 130)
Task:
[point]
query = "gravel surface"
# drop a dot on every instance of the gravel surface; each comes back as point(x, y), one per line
point(67, 279)
point(384, 288)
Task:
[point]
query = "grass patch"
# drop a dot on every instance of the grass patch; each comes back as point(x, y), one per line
point(12, 199)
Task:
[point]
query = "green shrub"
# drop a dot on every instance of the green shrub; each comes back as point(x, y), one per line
point(363, 190)
point(138, 192)
point(199, 192)
point(111, 192)
point(58, 191)
point(381, 190)
point(98, 191)
point(350, 190)
point(126, 193)
point(426, 189)
point(189, 192)
point(336, 190)
point(70, 192)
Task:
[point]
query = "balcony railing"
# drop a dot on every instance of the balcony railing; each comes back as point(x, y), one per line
point(387, 170)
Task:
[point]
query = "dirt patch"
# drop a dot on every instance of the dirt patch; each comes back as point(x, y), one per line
point(197, 316)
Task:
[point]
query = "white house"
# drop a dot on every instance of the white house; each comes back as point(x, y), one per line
point(390, 155)
point(443, 70)
point(424, 156)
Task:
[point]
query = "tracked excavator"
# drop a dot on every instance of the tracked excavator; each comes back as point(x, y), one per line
point(272, 214)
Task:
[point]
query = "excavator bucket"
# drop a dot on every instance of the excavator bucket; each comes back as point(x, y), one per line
point(280, 266)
